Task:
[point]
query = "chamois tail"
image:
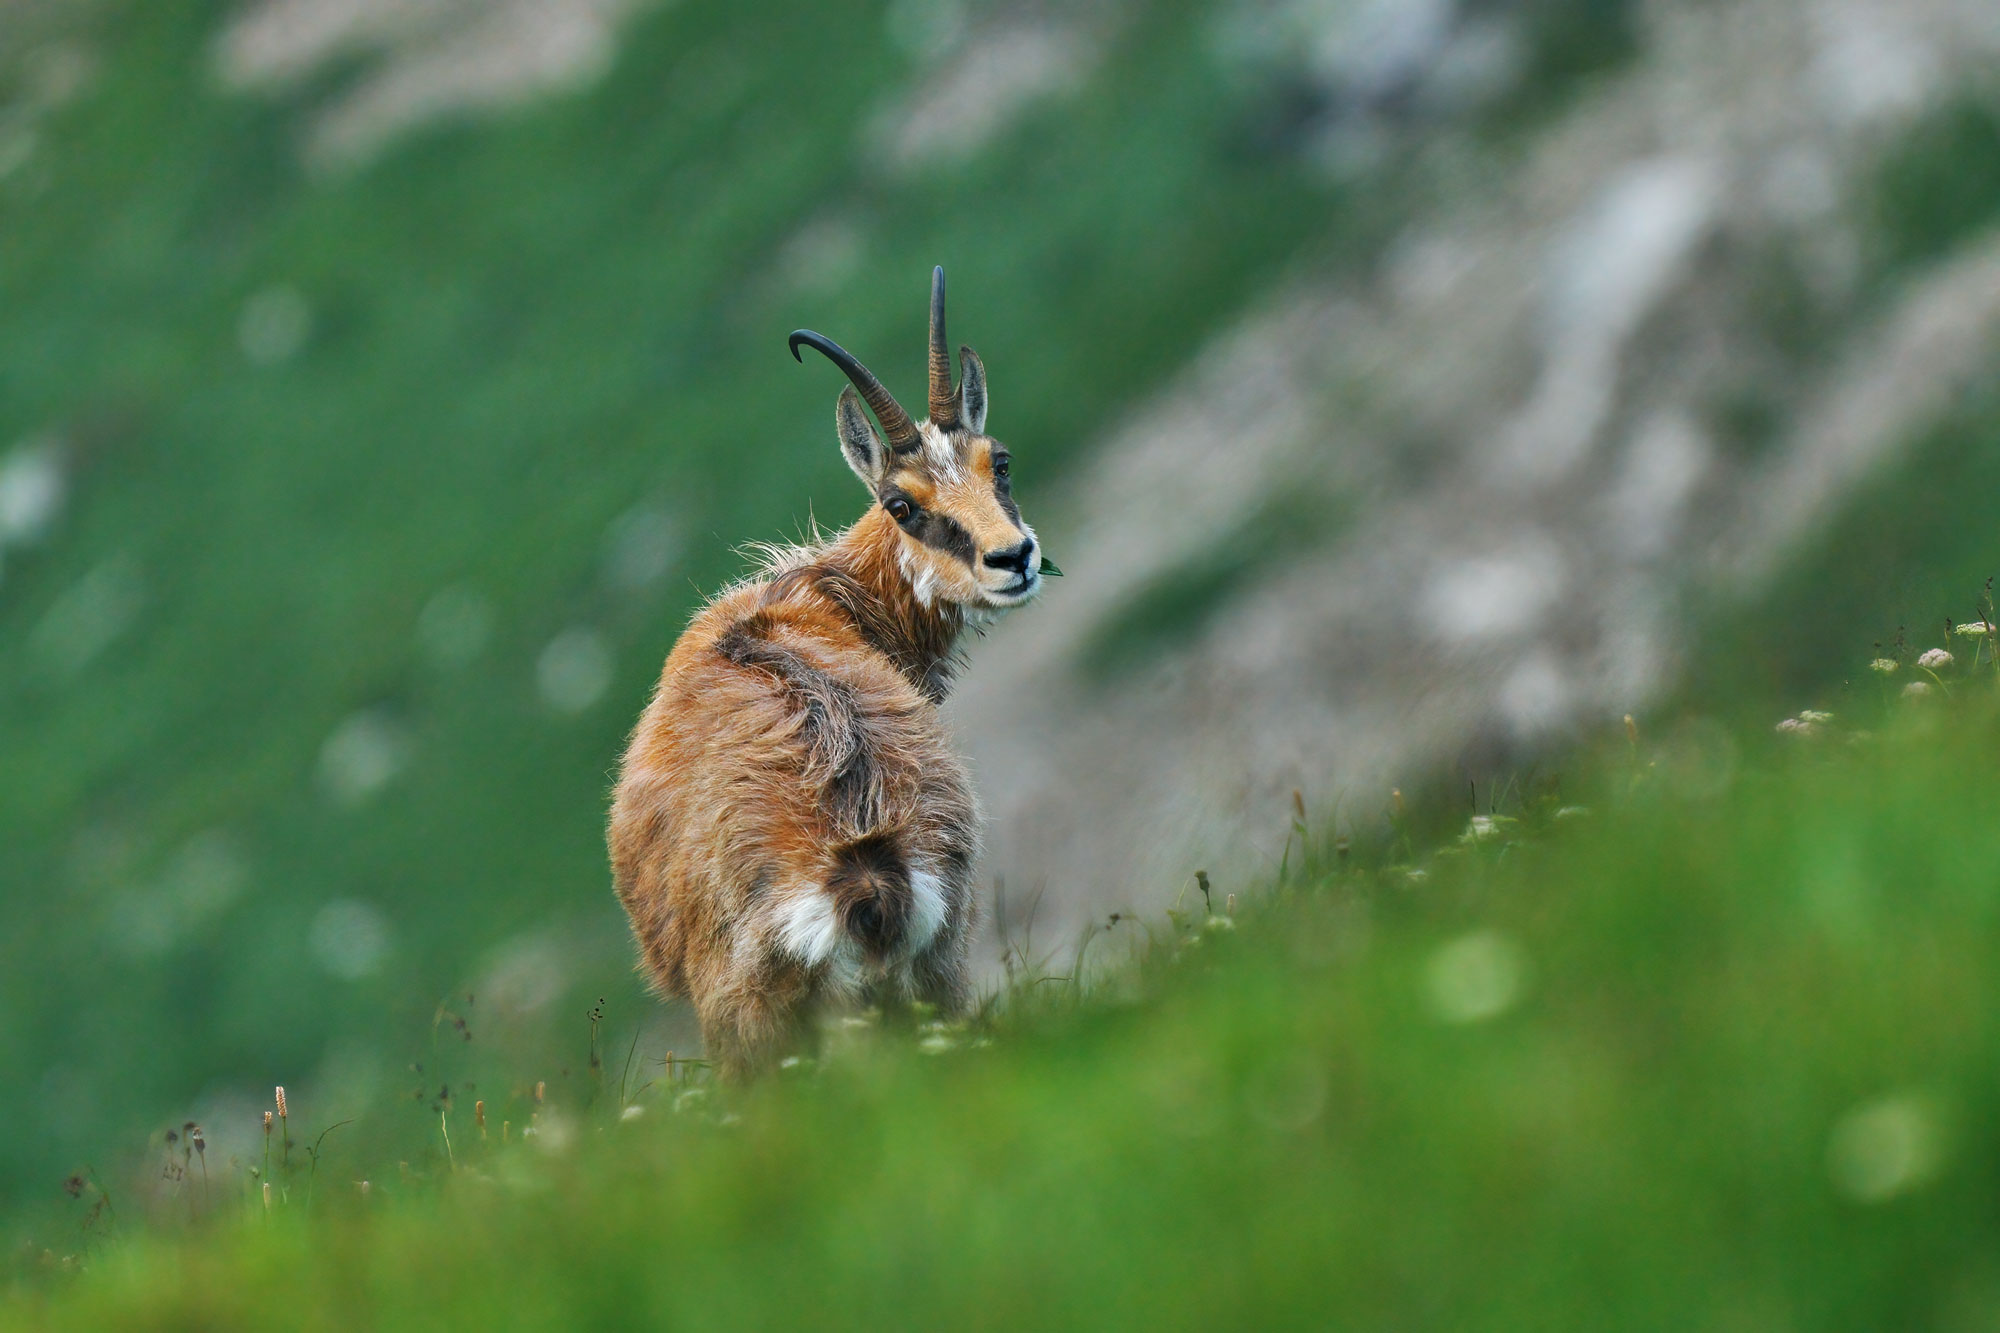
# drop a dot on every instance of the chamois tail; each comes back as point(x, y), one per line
point(869, 882)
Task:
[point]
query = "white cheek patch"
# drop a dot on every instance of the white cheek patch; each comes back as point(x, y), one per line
point(922, 582)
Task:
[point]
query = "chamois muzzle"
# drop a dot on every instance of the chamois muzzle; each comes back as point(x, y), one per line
point(1014, 557)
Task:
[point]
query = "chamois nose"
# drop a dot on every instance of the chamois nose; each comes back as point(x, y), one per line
point(1014, 557)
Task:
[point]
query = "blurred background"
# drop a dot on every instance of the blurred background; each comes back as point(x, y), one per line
point(1404, 386)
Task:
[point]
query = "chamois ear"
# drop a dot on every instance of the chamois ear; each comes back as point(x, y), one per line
point(971, 391)
point(858, 440)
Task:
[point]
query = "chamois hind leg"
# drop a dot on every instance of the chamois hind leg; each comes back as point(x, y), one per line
point(942, 974)
point(749, 1026)
point(944, 981)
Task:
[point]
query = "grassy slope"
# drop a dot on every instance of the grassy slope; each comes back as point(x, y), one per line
point(521, 331)
point(1735, 1002)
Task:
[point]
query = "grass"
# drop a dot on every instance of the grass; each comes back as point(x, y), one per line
point(1713, 1048)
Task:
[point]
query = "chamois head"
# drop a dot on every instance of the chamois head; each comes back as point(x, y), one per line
point(943, 481)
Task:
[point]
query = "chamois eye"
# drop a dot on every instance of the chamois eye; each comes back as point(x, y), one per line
point(899, 509)
point(1001, 467)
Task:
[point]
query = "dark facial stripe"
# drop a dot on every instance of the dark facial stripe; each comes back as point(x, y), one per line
point(942, 533)
point(938, 531)
point(1003, 487)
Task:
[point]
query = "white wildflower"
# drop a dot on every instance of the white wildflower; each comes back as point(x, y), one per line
point(1978, 629)
point(1813, 717)
point(1884, 665)
point(1795, 726)
point(1484, 828)
point(1935, 659)
point(632, 1112)
point(1916, 689)
point(1573, 812)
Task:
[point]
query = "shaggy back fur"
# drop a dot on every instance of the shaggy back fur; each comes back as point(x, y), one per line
point(791, 827)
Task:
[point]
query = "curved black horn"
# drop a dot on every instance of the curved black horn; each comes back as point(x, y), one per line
point(944, 403)
point(896, 423)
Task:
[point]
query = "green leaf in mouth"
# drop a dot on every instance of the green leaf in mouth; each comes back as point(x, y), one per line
point(1049, 568)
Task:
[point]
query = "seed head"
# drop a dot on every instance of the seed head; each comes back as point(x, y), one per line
point(267, 1124)
point(541, 1088)
point(281, 1102)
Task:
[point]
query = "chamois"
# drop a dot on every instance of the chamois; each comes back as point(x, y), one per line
point(791, 829)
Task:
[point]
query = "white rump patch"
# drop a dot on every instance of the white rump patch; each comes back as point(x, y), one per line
point(927, 908)
point(808, 927)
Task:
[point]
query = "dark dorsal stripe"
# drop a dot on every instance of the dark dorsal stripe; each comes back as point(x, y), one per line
point(919, 647)
point(842, 753)
point(941, 532)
